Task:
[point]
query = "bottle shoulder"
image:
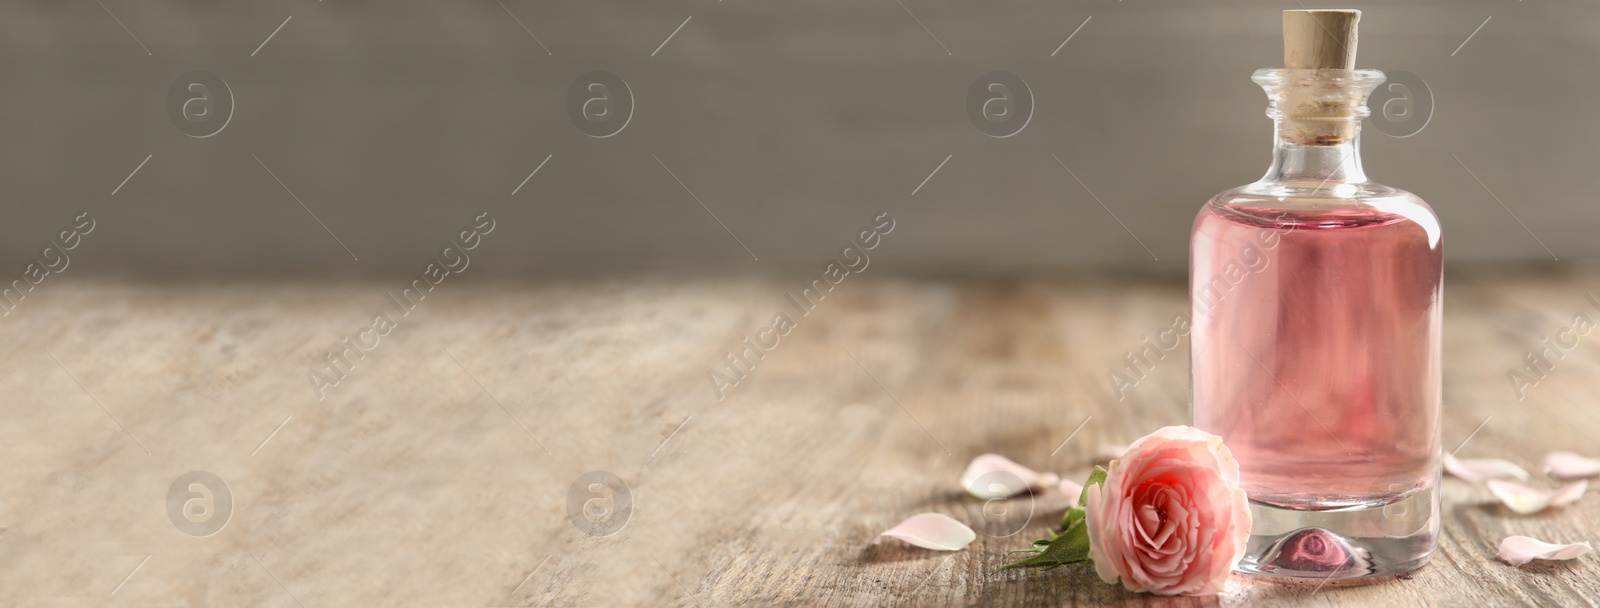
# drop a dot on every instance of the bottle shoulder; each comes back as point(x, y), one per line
point(1326, 194)
point(1345, 204)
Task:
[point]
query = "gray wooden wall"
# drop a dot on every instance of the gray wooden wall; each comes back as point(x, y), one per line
point(794, 124)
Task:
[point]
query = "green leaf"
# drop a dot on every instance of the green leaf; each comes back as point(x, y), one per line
point(1073, 516)
point(1096, 478)
point(1071, 546)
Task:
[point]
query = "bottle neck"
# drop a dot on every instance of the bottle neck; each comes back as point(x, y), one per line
point(1295, 161)
point(1317, 124)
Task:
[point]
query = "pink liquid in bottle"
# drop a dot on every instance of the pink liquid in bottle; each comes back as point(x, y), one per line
point(1315, 349)
point(1316, 356)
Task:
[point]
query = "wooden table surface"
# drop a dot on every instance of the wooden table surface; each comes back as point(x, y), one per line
point(441, 469)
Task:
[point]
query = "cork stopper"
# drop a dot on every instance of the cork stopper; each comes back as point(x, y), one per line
point(1320, 39)
point(1320, 107)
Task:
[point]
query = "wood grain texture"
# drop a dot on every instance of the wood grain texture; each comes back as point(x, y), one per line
point(438, 471)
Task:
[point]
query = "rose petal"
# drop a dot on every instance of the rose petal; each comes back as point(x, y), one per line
point(1111, 451)
point(1046, 480)
point(931, 531)
point(1567, 465)
point(1072, 489)
point(1525, 500)
point(999, 477)
point(1519, 550)
point(1482, 469)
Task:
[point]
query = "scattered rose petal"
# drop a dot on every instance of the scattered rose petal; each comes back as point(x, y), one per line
point(1046, 480)
point(1519, 550)
point(1111, 451)
point(932, 531)
point(1525, 500)
point(1482, 469)
point(1072, 489)
point(1567, 465)
point(995, 476)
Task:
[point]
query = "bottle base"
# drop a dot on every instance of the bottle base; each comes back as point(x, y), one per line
point(1367, 541)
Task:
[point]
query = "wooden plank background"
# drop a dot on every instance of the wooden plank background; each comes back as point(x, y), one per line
point(438, 471)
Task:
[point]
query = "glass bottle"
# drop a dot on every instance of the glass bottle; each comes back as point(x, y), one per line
point(1315, 351)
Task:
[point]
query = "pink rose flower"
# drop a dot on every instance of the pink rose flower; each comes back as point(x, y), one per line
point(1170, 518)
